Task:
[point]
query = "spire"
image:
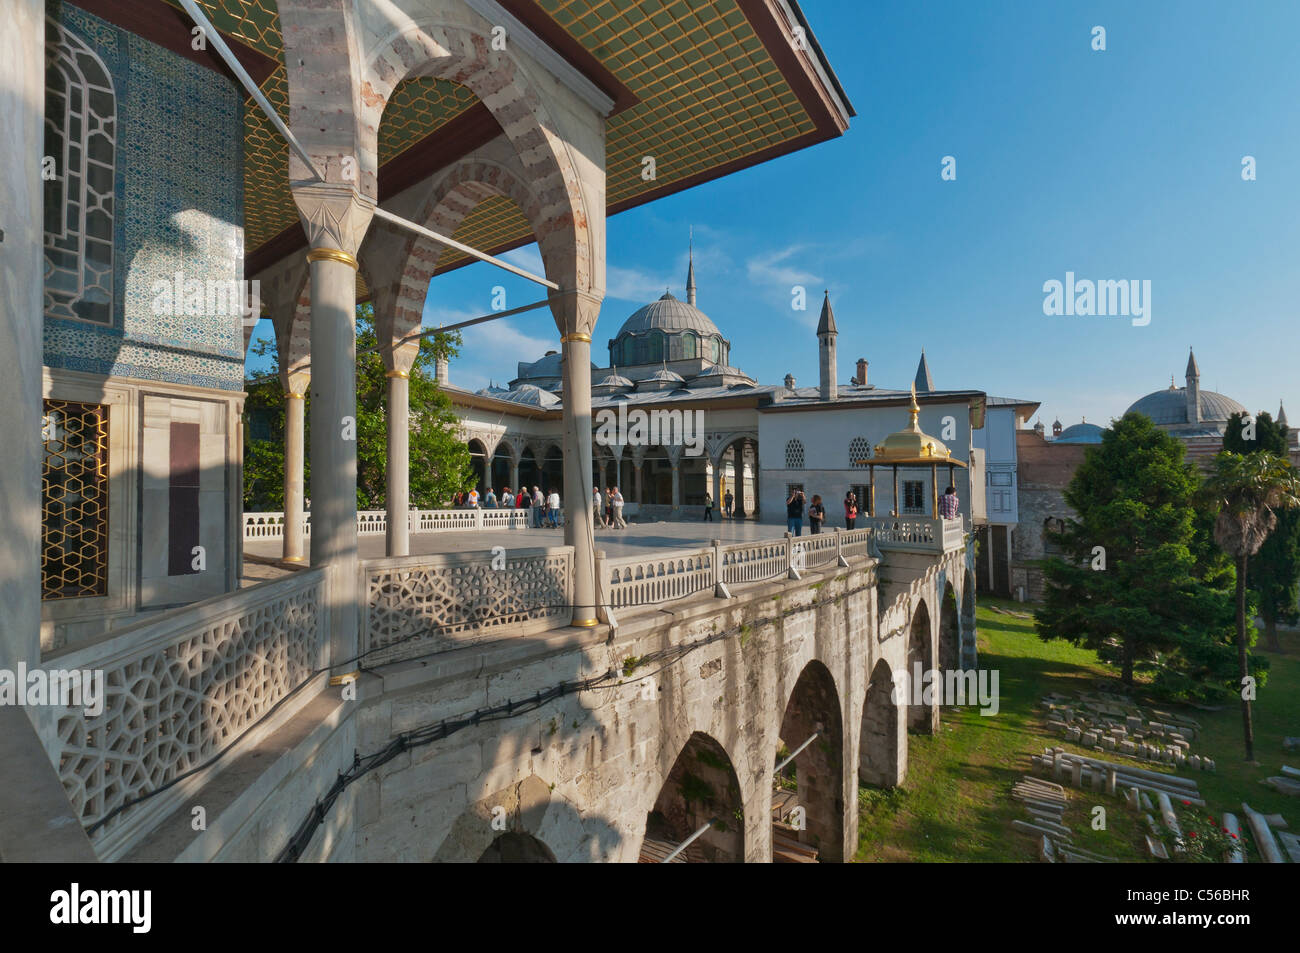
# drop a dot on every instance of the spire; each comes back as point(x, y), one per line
point(1281, 414)
point(690, 271)
point(1192, 370)
point(924, 382)
point(827, 323)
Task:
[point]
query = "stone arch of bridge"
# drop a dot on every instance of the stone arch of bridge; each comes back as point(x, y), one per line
point(817, 779)
point(702, 786)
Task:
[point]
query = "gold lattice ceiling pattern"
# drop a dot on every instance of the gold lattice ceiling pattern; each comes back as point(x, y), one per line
point(708, 94)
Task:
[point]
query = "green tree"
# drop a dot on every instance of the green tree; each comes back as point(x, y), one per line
point(439, 460)
point(1248, 490)
point(1151, 597)
point(1274, 575)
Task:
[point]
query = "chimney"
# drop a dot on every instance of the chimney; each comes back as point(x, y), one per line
point(861, 379)
point(789, 381)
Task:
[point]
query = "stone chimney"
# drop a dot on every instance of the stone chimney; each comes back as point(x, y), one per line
point(861, 379)
point(826, 335)
point(789, 381)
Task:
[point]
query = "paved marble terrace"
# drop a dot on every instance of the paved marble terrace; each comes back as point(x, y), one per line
point(637, 538)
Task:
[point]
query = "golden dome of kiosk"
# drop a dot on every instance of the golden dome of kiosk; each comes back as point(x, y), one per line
point(911, 446)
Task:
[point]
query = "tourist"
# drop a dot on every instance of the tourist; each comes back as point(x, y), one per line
point(490, 501)
point(523, 500)
point(554, 503)
point(708, 508)
point(850, 510)
point(507, 499)
point(539, 507)
point(609, 507)
point(596, 508)
point(816, 514)
point(472, 500)
point(948, 504)
point(794, 512)
point(617, 499)
point(727, 501)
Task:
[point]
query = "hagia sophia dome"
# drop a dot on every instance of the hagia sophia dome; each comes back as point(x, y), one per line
point(1171, 408)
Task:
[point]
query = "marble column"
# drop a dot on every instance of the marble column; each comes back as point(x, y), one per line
point(397, 478)
point(757, 509)
point(514, 475)
point(22, 306)
point(638, 458)
point(675, 458)
point(576, 314)
point(335, 219)
point(738, 477)
point(294, 448)
point(717, 488)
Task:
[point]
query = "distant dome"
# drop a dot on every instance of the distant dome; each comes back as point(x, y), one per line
point(1080, 433)
point(669, 314)
point(1169, 406)
point(528, 394)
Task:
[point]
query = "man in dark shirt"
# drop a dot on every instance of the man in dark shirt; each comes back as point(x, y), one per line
point(794, 513)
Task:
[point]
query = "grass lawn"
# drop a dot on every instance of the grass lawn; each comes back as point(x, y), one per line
point(956, 806)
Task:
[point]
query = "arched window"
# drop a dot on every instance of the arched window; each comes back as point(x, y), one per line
point(80, 136)
point(654, 348)
point(794, 455)
point(715, 351)
point(690, 345)
point(859, 451)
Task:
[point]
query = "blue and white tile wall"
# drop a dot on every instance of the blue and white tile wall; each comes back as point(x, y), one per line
point(179, 205)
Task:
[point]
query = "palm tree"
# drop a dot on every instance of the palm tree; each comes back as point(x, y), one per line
point(1247, 490)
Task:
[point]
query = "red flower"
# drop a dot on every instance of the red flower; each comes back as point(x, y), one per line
point(1187, 804)
point(1193, 834)
point(1234, 836)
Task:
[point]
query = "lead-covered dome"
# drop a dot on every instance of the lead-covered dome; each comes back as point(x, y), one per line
point(668, 330)
point(1169, 407)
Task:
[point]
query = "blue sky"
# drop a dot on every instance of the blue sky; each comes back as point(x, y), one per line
point(1122, 164)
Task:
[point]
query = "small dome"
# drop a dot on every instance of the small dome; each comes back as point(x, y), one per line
point(663, 374)
point(528, 394)
point(911, 445)
point(1080, 433)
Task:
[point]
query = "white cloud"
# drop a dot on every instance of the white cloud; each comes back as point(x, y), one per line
point(775, 276)
point(491, 352)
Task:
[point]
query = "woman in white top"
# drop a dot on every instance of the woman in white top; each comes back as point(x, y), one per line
point(554, 503)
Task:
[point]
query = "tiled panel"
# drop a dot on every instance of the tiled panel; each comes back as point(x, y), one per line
point(180, 193)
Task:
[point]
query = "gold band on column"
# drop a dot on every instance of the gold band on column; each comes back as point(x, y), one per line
point(576, 336)
point(586, 623)
point(295, 396)
point(398, 374)
point(331, 254)
point(293, 559)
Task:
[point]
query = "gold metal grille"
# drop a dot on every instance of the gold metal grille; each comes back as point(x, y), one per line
point(74, 500)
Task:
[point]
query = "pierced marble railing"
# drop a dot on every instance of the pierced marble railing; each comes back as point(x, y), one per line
point(919, 533)
point(415, 605)
point(653, 578)
point(756, 561)
point(178, 688)
point(259, 526)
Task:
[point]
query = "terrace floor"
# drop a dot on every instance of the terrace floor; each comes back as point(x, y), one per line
point(637, 538)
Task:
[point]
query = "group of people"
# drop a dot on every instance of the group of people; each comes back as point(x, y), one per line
point(728, 502)
point(794, 510)
point(545, 507)
point(608, 509)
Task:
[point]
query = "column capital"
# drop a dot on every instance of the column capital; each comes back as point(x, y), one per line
point(334, 217)
point(575, 314)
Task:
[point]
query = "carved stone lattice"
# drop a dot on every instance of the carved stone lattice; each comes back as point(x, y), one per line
point(171, 707)
point(410, 606)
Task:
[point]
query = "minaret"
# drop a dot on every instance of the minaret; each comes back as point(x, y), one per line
point(1281, 414)
point(826, 335)
point(1193, 389)
point(924, 382)
point(690, 272)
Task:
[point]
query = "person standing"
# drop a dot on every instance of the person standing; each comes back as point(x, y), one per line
point(850, 510)
point(490, 501)
point(609, 507)
point(708, 508)
point(554, 503)
point(596, 514)
point(507, 499)
point(539, 507)
point(816, 514)
point(948, 504)
point(472, 501)
point(617, 499)
point(523, 500)
point(727, 502)
point(794, 512)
